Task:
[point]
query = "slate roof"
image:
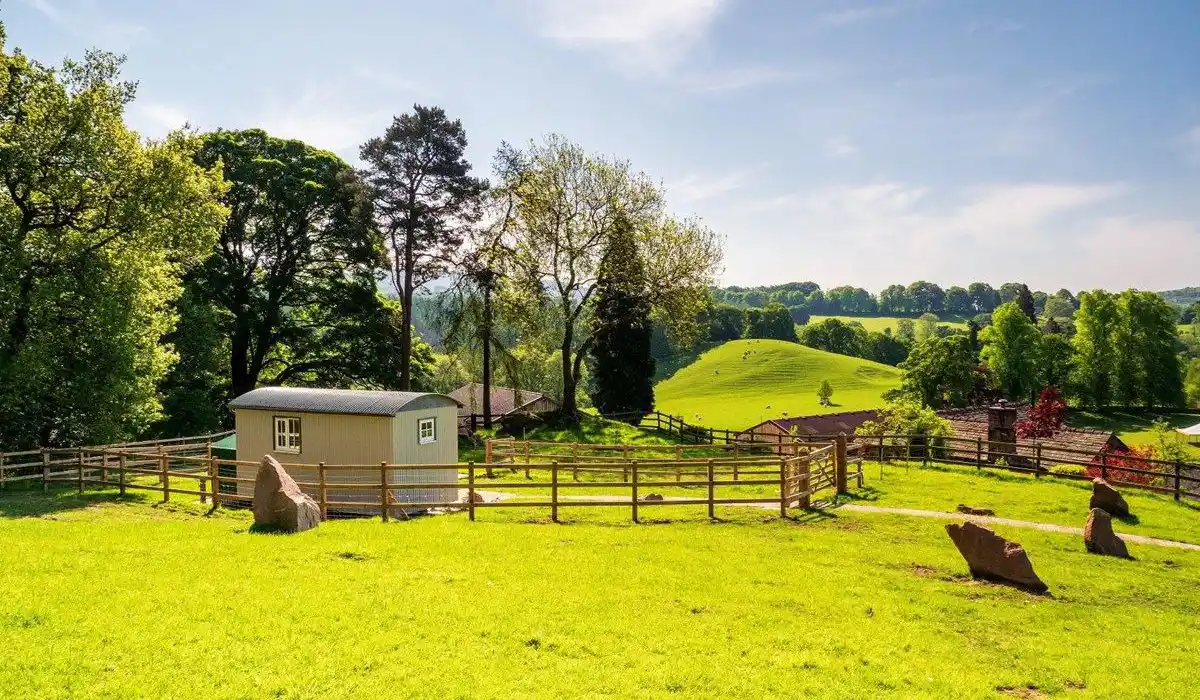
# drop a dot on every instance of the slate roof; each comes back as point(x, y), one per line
point(352, 401)
point(504, 399)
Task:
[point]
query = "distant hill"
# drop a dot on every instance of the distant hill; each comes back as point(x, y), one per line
point(1183, 297)
point(743, 382)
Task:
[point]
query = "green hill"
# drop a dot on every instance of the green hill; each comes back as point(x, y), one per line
point(744, 382)
point(879, 323)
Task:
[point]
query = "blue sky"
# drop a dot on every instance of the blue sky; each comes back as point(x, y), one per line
point(858, 142)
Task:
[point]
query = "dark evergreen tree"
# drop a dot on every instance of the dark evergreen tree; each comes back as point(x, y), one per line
point(621, 368)
point(1026, 302)
point(973, 337)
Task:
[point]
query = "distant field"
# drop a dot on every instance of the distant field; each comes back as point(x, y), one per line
point(744, 382)
point(1133, 428)
point(879, 323)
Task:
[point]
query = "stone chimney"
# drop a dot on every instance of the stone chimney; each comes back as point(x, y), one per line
point(1002, 431)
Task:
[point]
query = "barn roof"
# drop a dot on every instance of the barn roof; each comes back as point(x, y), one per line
point(504, 399)
point(1063, 445)
point(353, 401)
point(825, 424)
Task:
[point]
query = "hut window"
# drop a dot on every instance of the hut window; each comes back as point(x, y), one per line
point(287, 434)
point(426, 431)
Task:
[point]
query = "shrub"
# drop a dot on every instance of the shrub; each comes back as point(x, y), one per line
point(1069, 470)
point(1135, 458)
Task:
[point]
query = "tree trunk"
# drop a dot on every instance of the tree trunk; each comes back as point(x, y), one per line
point(569, 408)
point(240, 379)
point(487, 356)
point(406, 315)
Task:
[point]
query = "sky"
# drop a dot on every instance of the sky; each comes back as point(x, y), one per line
point(861, 142)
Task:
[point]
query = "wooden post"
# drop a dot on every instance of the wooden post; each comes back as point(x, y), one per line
point(634, 473)
point(575, 459)
point(204, 482)
point(880, 452)
point(2, 481)
point(121, 478)
point(554, 491)
point(45, 467)
point(711, 506)
point(164, 474)
point(1104, 466)
point(782, 487)
point(103, 467)
point(79, 460)
point(1178, 473)
point(625, 466)
point(471, 490)
point(487, 451)
point(1037, 460)
point(839, 463)
point(978, 453)
point(214, 481)
point(385, 508)
point(324, 494)
point(804, 483)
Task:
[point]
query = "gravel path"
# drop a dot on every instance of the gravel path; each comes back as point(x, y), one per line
point(912, 512)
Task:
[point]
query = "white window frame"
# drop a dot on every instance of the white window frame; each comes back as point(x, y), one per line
point(422, 438)
point(286, 434)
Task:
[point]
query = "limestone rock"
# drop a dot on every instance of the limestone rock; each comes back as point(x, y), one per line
point(990, 556)
point(279, 502)
point(968, 510)
point(1108, 499)
point(1099, 538)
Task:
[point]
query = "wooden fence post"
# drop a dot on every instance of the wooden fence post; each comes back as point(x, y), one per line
point(880, 452)
point(625, 466)
point(471, 490)
point(79, 459)
point(1178, 473)
point(121, 478)
point(204, 482)
point(384, 509)
point(45, 467)
point(1037, 460)
point(782, 487)
point(487, 451)
point(804, 482)
point(2, 480)
point(324, 494)
point(633, 468)
point(214, 481)
point(554, 491)
point(103, 467)
point(839, 463)
point(164, 474)
point(575, 459)
point(711, 492)
point(978, 453)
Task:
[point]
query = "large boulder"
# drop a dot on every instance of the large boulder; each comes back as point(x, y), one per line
point(990, 556)
point(1108, 499)
point(1099, 538)
point(278, 501)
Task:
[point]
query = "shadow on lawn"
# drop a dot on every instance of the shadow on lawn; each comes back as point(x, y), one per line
point(33, 502)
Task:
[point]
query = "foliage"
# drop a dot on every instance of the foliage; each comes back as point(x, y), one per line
point(725, 323)
point(825, 392)
point(1192, 383)
point(1010, 350)
point(95, 226)
point(425, 200)
point(1126, 350)
point(1055, 358)
point(1026, 303)
point(773, 321)
point(1114, 466)
point(565, 204)
point(906, 417)
point(620, 362)
point(940, 372)
point(1167, 443)
point(1046, 417)
point(1059, 307)
point(1095, 354)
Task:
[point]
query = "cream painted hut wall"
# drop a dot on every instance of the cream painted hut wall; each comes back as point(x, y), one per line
point(351, 439)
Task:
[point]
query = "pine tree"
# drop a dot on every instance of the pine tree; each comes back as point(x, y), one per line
point(621, 366)
point(1025, 301)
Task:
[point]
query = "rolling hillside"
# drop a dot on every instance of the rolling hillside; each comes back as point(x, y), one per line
point(879, 323)
point(743, 382)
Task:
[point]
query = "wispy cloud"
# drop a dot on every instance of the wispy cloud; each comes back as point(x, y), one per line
point(654, 35)
point(735, 79)
point(841, 147)
point(697, 187)
point(867, 12)
point(88, 20)
point(322, 116)
point(156, 118)
point(1190, 143)
point(994, 25)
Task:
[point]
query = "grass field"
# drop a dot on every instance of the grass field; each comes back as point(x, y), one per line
point(879, 323)
point(127, 599)
point(744, 382)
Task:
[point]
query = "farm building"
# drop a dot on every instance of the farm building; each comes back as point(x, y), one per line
point(997, 424)
point(806, 427)
point(301, 427)
point(505, 402)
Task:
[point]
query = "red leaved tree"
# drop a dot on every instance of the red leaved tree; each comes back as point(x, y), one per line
point(1046, 416)
point(1116, 464)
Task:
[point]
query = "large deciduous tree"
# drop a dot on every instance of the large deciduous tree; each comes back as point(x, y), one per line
point(1010, 351)
point(95, 226)
point(621, 368)
point(425, 201)
point(567, 205)
point(1095, 353)
point(940, 372)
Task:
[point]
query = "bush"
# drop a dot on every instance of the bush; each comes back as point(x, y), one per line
point(1068, 470)
point(1135, 458)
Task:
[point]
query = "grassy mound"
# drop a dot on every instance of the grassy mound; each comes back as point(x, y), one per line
point(107, 598)
point(744, 382)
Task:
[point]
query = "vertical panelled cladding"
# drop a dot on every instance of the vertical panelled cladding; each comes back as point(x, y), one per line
point(356, 439)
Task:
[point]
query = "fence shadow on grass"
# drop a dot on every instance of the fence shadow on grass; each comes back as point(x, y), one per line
point(33, 502)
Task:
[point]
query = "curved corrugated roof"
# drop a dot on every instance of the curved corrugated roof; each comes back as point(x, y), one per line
point(367, 403)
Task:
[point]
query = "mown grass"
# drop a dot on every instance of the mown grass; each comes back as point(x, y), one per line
point(881, 323)
point(744, 382)
point(1018, 496)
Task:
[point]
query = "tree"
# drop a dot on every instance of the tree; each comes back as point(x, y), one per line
point(973, 336)
point(825, 392)
point(1046, 417)
point(1009, 291)
point(958, 301)
point(294, 270)
point(926, 297)
point(773, 321)
point(895, 300)
point(835, 335)
point(95, 225)
point(566, 205)
point(1010, 350)
point(425, 200)
point(926, 326)
point(1095, 354)
point(905, 417)
point(1149, 373)
point(800, 314)
point(1058, 307)
point(1026, 303)
point(906, 331)
point(984, 299)
point(725, 323)
point(940, 372)
point(883, 347)
point(1055, 358)
point(621, 367)
point(1192, 384)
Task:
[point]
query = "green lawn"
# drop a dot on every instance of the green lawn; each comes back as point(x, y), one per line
point(744, 382)
point(124, 599)
point(1133, 428)
point(879, 323)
